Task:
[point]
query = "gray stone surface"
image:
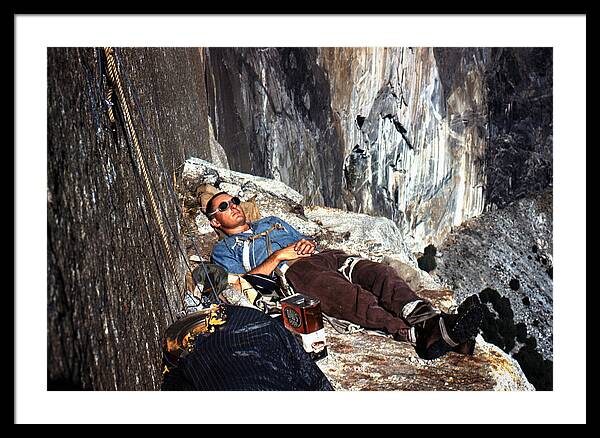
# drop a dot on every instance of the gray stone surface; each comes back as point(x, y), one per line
point(371, 362)
point(506, 257)
point(427, 137)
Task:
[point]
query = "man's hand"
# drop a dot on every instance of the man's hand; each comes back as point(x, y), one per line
point(304, 247)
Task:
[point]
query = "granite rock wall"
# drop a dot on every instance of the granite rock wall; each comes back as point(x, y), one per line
point(111, 290)
point(425, 138)
point(428, 137)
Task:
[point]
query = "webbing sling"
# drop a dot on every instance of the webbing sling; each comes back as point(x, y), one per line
point(251, 239)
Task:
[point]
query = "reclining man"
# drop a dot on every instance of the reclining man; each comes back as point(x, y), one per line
point(352, 288)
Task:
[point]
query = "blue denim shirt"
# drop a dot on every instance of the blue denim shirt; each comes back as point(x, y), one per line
point(228, 253)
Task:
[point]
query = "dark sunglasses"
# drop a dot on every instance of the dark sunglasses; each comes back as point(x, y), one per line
point(225, 205)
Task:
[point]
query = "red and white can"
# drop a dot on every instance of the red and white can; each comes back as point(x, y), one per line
point(302, 316)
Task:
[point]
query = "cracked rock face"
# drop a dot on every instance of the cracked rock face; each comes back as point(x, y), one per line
point(366, 360)
point(272, 114)
point(427, 137)
point(390, 132)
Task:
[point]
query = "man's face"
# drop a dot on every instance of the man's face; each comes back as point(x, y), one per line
point(231, 218)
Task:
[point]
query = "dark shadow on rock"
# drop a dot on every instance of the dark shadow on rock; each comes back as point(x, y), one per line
point(538, 370)
point(427, 261)
point(498, 327)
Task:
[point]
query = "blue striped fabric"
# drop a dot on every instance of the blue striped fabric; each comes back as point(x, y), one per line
point(251, 352)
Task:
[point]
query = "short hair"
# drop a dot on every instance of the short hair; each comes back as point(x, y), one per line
point(209, 207)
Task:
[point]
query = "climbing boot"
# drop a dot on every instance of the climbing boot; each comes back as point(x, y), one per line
point(418, 311)
point(449, 332)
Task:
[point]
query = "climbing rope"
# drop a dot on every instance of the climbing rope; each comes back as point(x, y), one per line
point(112, 69)
point(215, 297)
point(116, 82)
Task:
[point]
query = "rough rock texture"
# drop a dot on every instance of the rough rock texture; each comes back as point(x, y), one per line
point(272, 114)
point(111, 292)
point(519, 157)
point(506, 257)
point(365, 360)
point(371, 362)
point(289, 114)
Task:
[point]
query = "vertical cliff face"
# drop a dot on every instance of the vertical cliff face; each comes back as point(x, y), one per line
point(519, 153)
point(271, 112)
point(111, 290)
point(408, 152)
point(428, 137)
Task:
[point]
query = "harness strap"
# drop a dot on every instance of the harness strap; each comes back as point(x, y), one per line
point(412, 336)
point(447, 338)
point(349, 264)
point(269, 248)
point(409, 307)
point(246, 255)
point(246, 244)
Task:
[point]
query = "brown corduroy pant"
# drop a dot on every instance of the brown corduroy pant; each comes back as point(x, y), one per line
point(373, 299)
